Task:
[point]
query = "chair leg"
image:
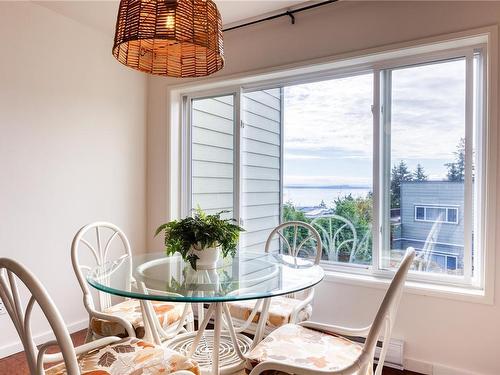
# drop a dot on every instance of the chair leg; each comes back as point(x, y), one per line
point(90, 334)
point(190, 324)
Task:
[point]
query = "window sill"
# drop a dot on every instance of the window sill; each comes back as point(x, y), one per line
point(456, 293)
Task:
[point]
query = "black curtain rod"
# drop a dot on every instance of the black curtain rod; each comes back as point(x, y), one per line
point(288, 13)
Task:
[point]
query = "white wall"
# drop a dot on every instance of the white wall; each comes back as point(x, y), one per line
point(456, 337)
point(72, 147)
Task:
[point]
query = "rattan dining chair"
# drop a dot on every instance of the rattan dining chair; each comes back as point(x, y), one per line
point(314, 348)
point(291, 238)
point(108, 355)
point(124, 318)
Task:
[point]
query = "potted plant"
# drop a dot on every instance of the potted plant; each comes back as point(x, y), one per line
point(201, 237)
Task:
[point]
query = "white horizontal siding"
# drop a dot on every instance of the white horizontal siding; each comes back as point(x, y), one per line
point(203, 185)
point(262, 135)
point(261, 246)
point(252, 238)
point(208, 137)
point(274, 92)
point(212, 211)
point(262, 210)
point(225, 99)
point(260, 172)
point(250, 145)
point(213, 200)
point(257, 199)
point(260, 186)
point(215, 107)
point(211, 153)
point(211, 121)
point(212, 149)
point(261, 109)
point(212, 169)
point(265, 98)
point(259, 160)
point(261, 223)
point(257, 121)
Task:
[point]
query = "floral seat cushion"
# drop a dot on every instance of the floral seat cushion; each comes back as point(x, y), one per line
point(280, 311)
point(299, 346)
point(130, 357)
point(130, 310)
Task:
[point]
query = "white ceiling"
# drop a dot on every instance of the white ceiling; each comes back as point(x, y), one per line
point(101, 15)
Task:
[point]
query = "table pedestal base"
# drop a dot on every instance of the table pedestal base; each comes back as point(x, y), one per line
point(229, 361)
point(221, 350)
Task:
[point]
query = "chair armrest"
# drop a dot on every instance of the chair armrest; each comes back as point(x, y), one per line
point(82, 349)
point(124, 323)
point(343, 331)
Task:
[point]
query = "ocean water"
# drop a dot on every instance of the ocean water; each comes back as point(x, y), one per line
point(303, 197)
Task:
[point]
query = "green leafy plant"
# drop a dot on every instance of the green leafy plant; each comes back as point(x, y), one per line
point(200, 231)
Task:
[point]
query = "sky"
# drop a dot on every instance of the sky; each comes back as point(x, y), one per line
point(328, 125)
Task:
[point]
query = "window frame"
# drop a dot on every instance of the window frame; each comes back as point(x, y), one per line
point(426, 206)
point(481, 38)
point(469, 280)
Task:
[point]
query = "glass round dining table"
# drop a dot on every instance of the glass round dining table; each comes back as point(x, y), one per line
point(250, 276)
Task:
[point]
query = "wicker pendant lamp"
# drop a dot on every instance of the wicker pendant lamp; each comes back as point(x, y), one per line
point(171, 38)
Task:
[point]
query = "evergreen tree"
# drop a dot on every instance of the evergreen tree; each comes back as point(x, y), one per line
point(419, 174)
point(454, 173)
point(400, 173)
point(456, 169)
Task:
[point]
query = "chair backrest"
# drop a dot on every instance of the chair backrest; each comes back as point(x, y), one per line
point(9, 293)
point(300, 234)
point(100, 251)
point(332, 229)
point(387, 311)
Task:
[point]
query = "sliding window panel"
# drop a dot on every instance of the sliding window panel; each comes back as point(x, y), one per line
point(213, 154)
point(328, 165)
point(428, 169)
point(260, 172)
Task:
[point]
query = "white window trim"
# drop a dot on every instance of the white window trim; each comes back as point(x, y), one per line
point(425, 206)
point(370, 60)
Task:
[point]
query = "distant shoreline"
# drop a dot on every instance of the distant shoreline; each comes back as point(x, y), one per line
point(326, 187)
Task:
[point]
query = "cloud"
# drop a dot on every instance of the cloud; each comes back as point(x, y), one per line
point(334, 117)
point(330, 115)
point(428, 111)
point(289, 156)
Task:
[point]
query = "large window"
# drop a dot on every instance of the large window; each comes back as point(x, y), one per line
point(377, 159)
point(437, 214)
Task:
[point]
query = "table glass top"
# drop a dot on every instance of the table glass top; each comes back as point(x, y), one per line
point(154, 276)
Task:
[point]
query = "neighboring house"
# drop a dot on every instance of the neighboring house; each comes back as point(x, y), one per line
point(431, 218)
point(316, 211)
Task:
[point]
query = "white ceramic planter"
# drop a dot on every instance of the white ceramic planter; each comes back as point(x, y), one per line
point(207, 258)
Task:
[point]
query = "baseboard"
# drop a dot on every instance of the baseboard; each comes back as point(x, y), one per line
point(417, 366)
point(41, 338)
point(426, 368)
